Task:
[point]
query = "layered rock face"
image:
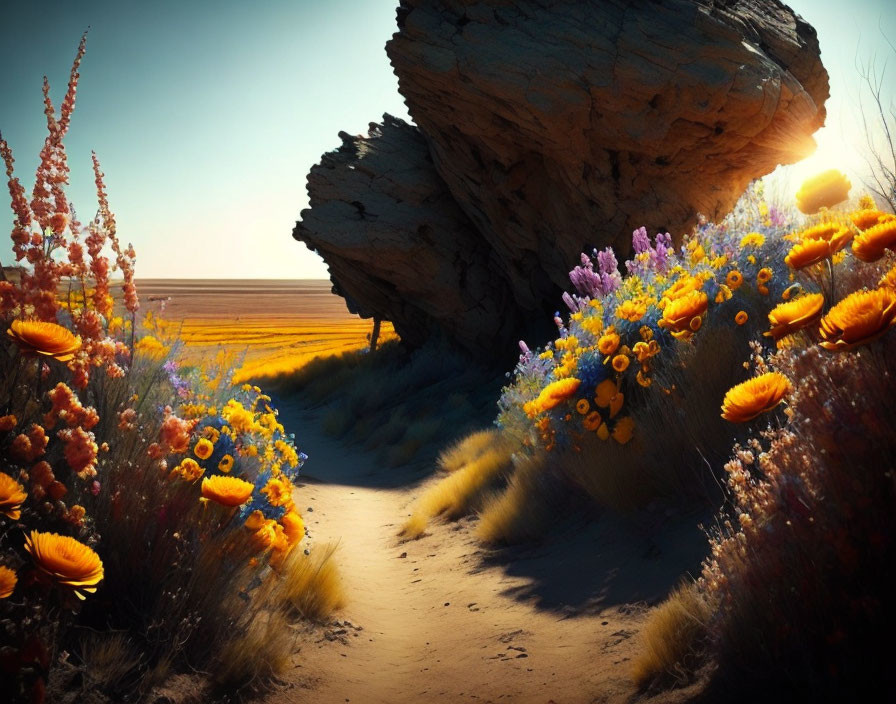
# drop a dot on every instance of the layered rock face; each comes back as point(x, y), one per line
point(550, 127)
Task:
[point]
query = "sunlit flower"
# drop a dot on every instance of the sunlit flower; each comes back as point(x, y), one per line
point(681, 288)
point(279, 491)
point(293, 527)
point(858, 319)
point(552, 396)
point(151, 347)
point(888, 280)
point(203, 448)
point(12, 495)
point(806, 253)
point(45, 339)
point(734, 279)
point(226, 464)
point(753, 239)
point(741, 317)
point(794, 315)
point(868, 217)
point(624, 429)
point(65, 561)
point(822, 191)
point(8, 580)
point(227, 491)
point(869, 245)
point(609, 342)
point(757, 395)
point(684, 316)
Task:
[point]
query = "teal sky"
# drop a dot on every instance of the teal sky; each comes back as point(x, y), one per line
point(207, 116)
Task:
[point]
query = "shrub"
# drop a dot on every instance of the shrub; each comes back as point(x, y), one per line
point(311, 586)
point(523, 509)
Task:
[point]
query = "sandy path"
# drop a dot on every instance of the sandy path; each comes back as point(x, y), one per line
point(427, 621)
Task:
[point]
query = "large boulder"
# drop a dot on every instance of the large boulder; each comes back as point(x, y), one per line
point(559, 125)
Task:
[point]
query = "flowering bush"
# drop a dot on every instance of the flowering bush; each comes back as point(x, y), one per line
point(137, 495)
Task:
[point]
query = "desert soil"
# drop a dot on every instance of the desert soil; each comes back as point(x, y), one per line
point(439, 619)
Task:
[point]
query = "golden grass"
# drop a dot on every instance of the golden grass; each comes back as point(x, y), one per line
point(310, 584)
point(521, 511)
point(671, 638)
point(461, 491)
point(469, 448)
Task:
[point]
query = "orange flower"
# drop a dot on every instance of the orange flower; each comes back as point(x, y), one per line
point(293, 527)
point(582, 406)
point(741, 317)
point(858, 319)
point(863, 219)
point(683, 316)
point(620, 363)
point(625, 428)
point(807, 253)
point(632, 310)
point(764, 276)
point(684, 286)
point(188, 470)
point(794, 315)
point(203, 449)
point(8, 579)
point(869, 245)
point(552, 396)
point(592, 421)
point(888, 280)
point(609, 342)
point(226, 464)
point(66, 561)
point(757, 395)
point(12, 495)
point(227, 491)
point(608, 396)
point(279, 491)
point(44, 339)
point(822, 191)
point(7, 423)
point(734, 280)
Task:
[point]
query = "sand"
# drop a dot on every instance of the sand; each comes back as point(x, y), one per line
point(439, 619)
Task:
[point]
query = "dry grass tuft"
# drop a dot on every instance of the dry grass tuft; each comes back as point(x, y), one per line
point(110, 660)
point(462, 490)
point(672, 637)
point(469, 448)
point(257, 654)
point(310, 584)
point(520, 512)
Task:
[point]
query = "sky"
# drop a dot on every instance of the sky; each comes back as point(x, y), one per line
point(206, 116)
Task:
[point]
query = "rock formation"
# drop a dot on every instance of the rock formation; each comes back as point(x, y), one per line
point(553, 126)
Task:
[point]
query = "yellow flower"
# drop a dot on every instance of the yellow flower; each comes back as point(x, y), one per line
point(753, 239)
point(226, 464)
point(786, 318)
point(203, 449)
point(734, 279)
point(858, 319)
point(741, 317)
point(620, 363)
point(44, 339)
point(684, 286)
point(8, 579)
point(683, 316)
point(609, 343)
point(552, 396)
point(608, 396)
point(698, 254)
point(227, 491)
point(255, 521)
point(822, 191)
point(582, 406)
point(888, 280)
point(151, 347)
point(724, 294)
point(869, 245)
point(279, 491)
point(757, 395)
point(625, 428)
point(863, 219)
point(65, 561)
point(632, 309)
point(12, 495)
